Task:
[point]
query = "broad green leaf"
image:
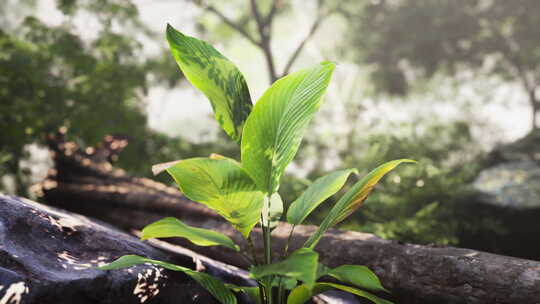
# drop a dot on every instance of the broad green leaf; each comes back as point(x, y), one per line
point(251, 291)
point(213, 285)
point(315, 194)
point(274, 129)
point(287, 283)
point(303, 293)
point(272, 210)
point(223, 186)
point(300, 265)
point(173, 227)
point(360, 276)
point(353, 199)
point(217, 77)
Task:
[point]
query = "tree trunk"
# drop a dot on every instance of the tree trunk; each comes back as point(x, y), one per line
point(414, 273)
point(535, 103)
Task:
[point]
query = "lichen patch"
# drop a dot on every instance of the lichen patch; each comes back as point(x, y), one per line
point(14, 294)
point(148, 283)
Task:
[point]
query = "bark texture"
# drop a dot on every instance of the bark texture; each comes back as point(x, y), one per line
point(85, 183)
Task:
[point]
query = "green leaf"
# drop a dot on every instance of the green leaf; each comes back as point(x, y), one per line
point(274, 129)
point(222, 185)
point(251, 291)
point(272, 211)
point(217, 77)
point(315, 194)
point(360, 276)
point(287, 283)
point(173, 227)
point(353, 199)
point(300, 265)
point(213, 285)
point(303, 293)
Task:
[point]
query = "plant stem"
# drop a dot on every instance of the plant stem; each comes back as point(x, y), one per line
point(267, 246)
point(267, 242)
point(288, 241)
point(281, 292)
point(252, 250)
point(267, 260)
point(261, 292)
point(281, 289)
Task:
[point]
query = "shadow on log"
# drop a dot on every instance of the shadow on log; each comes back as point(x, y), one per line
point(84, 183)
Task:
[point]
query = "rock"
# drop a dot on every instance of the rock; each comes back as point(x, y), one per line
point(48, 255)
point(503, 211)
point(514, 184)
point(523, 149)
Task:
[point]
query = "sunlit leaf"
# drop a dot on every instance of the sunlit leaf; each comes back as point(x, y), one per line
point(173, 227)
point(277, 123)
point(303, 293)
point(217, 77)
point(300, 265)
point(315, 194)
point(222, 185)
point(357, 275)
point(213, 285)
point(353, 199)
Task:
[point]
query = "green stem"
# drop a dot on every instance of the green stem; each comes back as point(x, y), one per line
point(252, 251)
point(261, 292)
point(267, 241)
point(267, 246)
point(281, 292)
point(288, 242)
point(267, 260)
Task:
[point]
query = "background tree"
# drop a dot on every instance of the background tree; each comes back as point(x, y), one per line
point(51, 77)
point(254, 22)
point(408, 40)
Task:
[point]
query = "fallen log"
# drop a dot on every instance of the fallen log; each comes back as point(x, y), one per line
point(414, 273)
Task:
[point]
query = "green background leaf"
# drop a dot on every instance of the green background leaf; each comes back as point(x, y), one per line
point(275, 128)
point(251, 291)
point(223, 186)
point(357, 275)
point(300, 265)
point(173, 227)
point(217, 77)
point(303, 293)
point(315, 194)
point(213, 285)
point(353, 199)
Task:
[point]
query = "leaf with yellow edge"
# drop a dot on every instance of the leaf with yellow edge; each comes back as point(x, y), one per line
point(353, 199)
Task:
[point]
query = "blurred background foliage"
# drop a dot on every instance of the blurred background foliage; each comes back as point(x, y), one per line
point(398, 57)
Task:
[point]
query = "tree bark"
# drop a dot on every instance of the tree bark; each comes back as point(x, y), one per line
point(82, 183)
point(535, 103)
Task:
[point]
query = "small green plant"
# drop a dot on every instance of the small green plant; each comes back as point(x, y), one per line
point(245, 193)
